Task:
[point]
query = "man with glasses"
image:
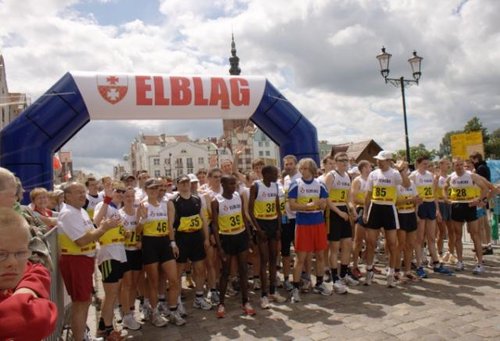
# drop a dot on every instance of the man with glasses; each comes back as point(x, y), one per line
point(26, 313)
point(77, 238)
point(93, 196)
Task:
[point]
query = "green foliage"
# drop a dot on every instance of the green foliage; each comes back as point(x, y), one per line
point(491, 141)
point(417, 151)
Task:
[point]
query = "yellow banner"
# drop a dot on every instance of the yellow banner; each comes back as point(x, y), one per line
point(464, 144)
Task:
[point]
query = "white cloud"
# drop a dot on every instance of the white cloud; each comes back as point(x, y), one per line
point(319, 53)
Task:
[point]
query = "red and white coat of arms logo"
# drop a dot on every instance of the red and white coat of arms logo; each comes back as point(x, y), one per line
point(112, 88)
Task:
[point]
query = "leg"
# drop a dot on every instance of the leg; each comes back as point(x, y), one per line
point(243, 273)
point(430, 232)
point(79, 312)
point(392, 244)
point(475, 234)
point(111, 291)
point(153, 278)
point(169, 268)
point(359, 236)
point(420, 241)
point(263, 245)
point(457, 227)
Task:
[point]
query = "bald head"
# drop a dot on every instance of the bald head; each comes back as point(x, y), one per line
point(11, 221)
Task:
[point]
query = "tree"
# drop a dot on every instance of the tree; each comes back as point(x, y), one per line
point(491, 142)
point(417, 151)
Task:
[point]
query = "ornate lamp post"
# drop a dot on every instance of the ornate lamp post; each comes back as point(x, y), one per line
point(416, 64)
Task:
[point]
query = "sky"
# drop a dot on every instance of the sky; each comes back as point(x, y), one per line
point(320, 54)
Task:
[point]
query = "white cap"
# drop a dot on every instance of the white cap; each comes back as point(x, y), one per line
point(354, 170)
point(193, 178)
point(384, 155)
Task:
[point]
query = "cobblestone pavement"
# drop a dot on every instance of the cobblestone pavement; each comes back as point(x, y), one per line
point(459, 307)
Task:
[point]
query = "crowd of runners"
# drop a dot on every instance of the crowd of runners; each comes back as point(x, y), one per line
point(218, 231)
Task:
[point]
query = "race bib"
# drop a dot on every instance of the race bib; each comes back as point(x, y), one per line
point(306, 200)
point(112, 236)
point(425, 192)
point(338, 195)
point(190, 224)
point(231, 223)
point(406, 206)
point(132, 240)
point(156, 228)
point(384, 193)
point(265, 210)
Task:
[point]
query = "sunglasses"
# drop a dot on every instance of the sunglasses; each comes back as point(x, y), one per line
point(342, 160)
point(121, 191)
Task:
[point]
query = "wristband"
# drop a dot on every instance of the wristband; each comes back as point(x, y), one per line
point(107, 200)
point(173, 244)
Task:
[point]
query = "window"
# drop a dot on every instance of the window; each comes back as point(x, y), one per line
point(189, 163)
point(167, 161)
point(190, 170)
point(260, 143)
point(261, 153)
point(268, 153)
point(201, 160)
point(168, 172)
point(157, 173)
point(267, 144)
point(156, 161)
point(178, 163)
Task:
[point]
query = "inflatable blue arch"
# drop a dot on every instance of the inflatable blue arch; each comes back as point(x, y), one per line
point(28, 143)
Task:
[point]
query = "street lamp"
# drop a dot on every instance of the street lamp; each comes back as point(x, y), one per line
point(416, 64)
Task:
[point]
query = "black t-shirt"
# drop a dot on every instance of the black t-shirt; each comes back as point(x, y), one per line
point(185, 207)
point(483, 170)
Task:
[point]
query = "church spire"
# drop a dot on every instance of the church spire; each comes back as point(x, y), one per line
point(234, 60)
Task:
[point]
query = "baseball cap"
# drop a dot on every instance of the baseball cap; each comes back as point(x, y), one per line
point(354, 170)
point(152, 183)
point(193, 178)
point(384, 155)
point(127, 176)
point(183, 178)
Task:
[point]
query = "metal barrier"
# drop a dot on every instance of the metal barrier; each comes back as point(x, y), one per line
point(58, 293)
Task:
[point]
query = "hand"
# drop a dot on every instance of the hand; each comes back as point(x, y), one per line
point(206, 244)
point(138, 245)
point(212, 240)
point(365, 218)
point(401, 166)
point(439, 218)
point(222, 255)
point(418, 200)
point(239, 149)
point(175, 251)
point(109, 223)
point(344, 215)
point(142, 211)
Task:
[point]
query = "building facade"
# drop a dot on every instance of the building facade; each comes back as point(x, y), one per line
point(11, 103)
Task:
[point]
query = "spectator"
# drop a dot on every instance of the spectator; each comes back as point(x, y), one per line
point(26, 313)
point(39, 204)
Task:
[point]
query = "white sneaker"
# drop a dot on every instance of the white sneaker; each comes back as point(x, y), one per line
point(214, 298)
point(339, 287)
point(201, 303)
point(287, 286)
point(180, 308)
point(176, 318)
point(322, 289)
point(479, 269)
point(130, 322)
point(264, 302)
point(147, 311)
point(460, 266)
point(369, 277)
point(256, 284)
point(276, 297)
point(391, 283)
point(295, 295)
point(158, 320)
point(348, 280)
point(162, 307)
point(118, 314)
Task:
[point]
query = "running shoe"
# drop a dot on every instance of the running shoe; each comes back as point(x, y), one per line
point(446, 257)
point(328, 276)
point(442, 270)
point(305, 285)
point(162, 307)
point(411, 277)
point(248, 309)
point(129, 322)
point(339, 287)
point(214, 297)
point(322, 289)
point(158, 320)
point(356, 274)
point(147, 312)
point(256, 284)
point(460, 266)
point(376, 271)
point(479, 269)
point(221, 311)
point(201, 303)
point(118, 314)
point(276, 297)
point(348, 280)
point(176, 318)
point(391, 282)
point(295, 295)
point(369, 277)
point(264, 302)
point(115, 335)
point(287, 285)
point(421, 272)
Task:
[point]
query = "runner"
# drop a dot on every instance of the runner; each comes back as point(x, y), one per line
point(407, 199)
point(93, 196)
point(159, 250)
point(307, 196)
point(380, 199)
point(338, 184)
point(77, 236)
point(111, 256)
point(191, 235)
point(232, 239)
point(460, 191)
point(358, 194)
point(427, 212)
point(445, 228)
point(266, 219)
point(133, 269)
point(288, 227)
